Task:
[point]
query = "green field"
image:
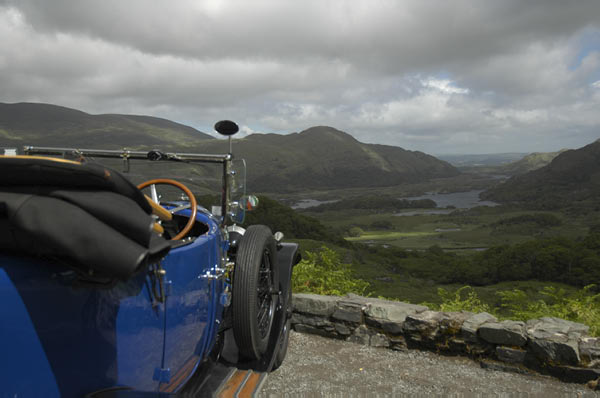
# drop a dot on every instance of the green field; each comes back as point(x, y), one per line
point(388, 236)
point(460, 230)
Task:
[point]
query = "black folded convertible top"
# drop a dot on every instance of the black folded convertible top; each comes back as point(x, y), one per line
point(85, 213)
point(34, 171)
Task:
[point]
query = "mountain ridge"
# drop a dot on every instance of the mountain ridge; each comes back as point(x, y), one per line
point(323, 157)
point(572, 176)
point(44, 124)
point(533, 161)
point(320, 157)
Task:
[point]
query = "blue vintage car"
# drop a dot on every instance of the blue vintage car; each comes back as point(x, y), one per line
point(106, 291)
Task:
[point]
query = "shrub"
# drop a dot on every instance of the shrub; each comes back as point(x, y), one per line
point(382, 224)
point(582, 307)
point(323, 272)
point(454, 301)
point(355, 232)
point(542, 220)
point(280, 217)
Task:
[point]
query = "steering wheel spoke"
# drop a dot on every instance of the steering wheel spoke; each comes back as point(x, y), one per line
point(179, 208)
point(165, 214)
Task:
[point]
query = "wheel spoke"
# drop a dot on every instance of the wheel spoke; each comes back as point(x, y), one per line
point(265, 301)
point(263, 320)
point(263, 316)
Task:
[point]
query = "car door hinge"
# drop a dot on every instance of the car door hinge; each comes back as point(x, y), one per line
point(162, 375)
point(161, 287)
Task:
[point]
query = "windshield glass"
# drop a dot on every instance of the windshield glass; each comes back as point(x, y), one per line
point(202, 174)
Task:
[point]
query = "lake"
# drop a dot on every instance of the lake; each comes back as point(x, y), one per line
point(459, 200)
point(307, 203)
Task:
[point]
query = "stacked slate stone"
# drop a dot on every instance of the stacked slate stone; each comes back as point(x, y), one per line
point(548, 345)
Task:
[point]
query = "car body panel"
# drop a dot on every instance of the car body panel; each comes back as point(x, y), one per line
point(83, 339)
point(88, 337)
point(192, 302)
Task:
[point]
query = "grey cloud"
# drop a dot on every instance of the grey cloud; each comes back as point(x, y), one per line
point(282, 66)
point(405, 32)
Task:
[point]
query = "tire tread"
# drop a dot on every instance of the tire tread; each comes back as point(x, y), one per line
point(245, 282)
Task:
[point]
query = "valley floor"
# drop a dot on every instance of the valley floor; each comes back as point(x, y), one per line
point(463, 231)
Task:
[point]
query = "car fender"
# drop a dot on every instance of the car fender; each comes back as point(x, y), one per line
point(288, 255)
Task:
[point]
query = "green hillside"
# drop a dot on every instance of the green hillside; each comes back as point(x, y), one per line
point(467, 161)
point(317, 158)
point(326, 158)
point(51, 125)
point(571, 179)
point(531, 162)
point(485, 164)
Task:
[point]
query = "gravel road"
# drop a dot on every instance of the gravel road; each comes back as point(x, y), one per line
point(321, 367)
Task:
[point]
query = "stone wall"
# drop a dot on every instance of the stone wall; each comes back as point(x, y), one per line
point(548, 345)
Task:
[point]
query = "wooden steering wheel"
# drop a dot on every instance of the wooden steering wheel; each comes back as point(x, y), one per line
point(165, 215)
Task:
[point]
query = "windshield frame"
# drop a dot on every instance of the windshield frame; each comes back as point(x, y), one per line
point(154, 156)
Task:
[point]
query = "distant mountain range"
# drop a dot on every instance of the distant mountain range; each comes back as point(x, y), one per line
point(501, 163)
point(317, 158)
point(482, 160)
point(531, 162)
point(488, 164)
point(52, 125)
point(572, 178)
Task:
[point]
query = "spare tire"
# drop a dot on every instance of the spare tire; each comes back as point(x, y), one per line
point(255, 291)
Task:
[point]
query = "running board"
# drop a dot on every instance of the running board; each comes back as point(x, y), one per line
point(215, 380)
point(241, 384)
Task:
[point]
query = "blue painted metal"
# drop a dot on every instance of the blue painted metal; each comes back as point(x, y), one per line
point(90, 338)
point(193, 305)
point(75, 339)
point(24, 354)
point(162, 375)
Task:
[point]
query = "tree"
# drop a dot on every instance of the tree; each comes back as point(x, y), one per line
point(355, 232)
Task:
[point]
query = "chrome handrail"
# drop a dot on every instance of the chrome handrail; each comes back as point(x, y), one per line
point(125, 153)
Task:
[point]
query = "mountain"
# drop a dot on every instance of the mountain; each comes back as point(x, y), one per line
point(325, 158)
point(531, 162)
point(52, 125)
point(481, 160)
point(572, 177)
point(317, 158)
point(500, 163)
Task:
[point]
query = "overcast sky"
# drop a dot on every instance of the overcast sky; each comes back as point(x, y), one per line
point(437, 76)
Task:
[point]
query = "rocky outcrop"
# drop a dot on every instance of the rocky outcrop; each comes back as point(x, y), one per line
point(550, 345)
